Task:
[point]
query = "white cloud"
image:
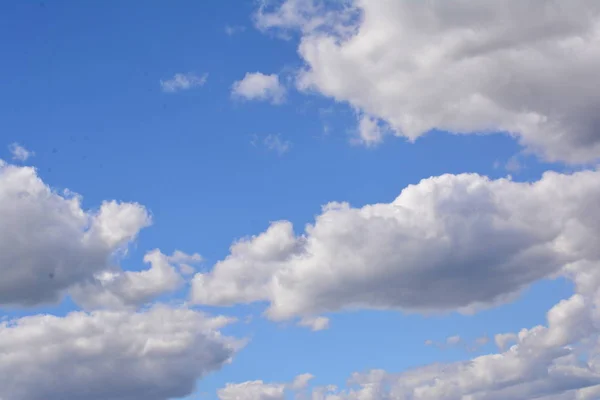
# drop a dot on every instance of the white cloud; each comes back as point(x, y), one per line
point(183, 81)
point(259, 390)
point(528, 68)
point(545, 362)
point(458, 342)
point(258, 86)
point(558, 361)
point(370, 133)
point(315, 323)
point(301, 381)
point(120, 289)
point(252, 390)
point(19, 152)
point(453, 242)
point(48, 243)
point(453, 340)
point(276, 144)
point(179, 257)
point(482, 341)
point(231, 30)
point(503, 339)
point(153, 355)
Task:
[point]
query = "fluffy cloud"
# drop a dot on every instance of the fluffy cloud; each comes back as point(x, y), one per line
point(258, 86)
point(259, 390)
point(49, 243)
point(19, 152)
point(183, 82)
point(557, 361)
point(252, 390)
point(526, 68)
point(453, 242)
point(155, 355)
point(120, 289)
point(544, 363)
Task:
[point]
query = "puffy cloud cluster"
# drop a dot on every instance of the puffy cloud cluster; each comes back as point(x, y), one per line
point(559, 361)
point(48, 243)
point(453, 242)
point(463, 66)
point(258, 86)
point(50, 246)
point(259, 390)
point(157, 354)
point(119, 289)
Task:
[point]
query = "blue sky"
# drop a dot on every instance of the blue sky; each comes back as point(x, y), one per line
point(81, 89)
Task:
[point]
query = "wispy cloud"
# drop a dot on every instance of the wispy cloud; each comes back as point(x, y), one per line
point(231, 30)
point(19, 152)
point(458, 342)
point(183, 81)
point(276, 144)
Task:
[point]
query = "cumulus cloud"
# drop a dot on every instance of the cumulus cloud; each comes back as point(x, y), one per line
point(556, 361)
point(467, 67)
point(121, 289)
point(453, 242)
point(252, 390)
point(258, 86)
point(183, 81)
point(259, 390)
point(545, 362)
point(19, 152)
point(48, 243)
point(502, 340)
point(157, 354)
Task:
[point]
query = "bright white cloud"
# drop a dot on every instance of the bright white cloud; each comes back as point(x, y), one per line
point(453, 242)
point(49, 243)
point(258, 86)
point(259, 390)
point(157, 354)
point(120, 289)
point(527, 68)
point(183, 81)
point(19, 152)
